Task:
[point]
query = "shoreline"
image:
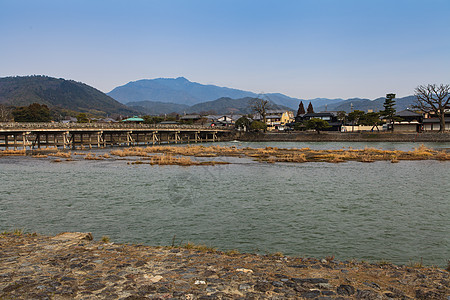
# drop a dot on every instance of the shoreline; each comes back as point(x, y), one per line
point(332, 136)
point(74, 266)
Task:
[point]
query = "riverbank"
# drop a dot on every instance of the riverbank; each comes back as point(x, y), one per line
point(74, 266)
point(332, 136)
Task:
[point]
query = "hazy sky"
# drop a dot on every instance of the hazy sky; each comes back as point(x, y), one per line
point(302, 48)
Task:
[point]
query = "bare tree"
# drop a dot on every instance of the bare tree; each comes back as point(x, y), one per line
point(434, 98)
point(260, 106)
point(5, 113)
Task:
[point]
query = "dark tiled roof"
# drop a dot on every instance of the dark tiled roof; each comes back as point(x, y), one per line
point(407, 113)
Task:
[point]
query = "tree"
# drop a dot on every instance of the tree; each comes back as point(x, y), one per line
point(82, 118)
point(389, 109)
point(301, 109)
point(433, 98)
point(242, 122)
point(310, 109)
point(355, 116)
point(317, 124)
point(5, 113)
point(258, 125)
point(370, 119)
point(152, 119)
point(260, 106)
point(32, 113)
point(341, 116)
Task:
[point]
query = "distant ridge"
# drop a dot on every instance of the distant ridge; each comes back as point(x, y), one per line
point(178, 91)
point(181, 91)
point(366, 104)
point(58, 93)
point(224, 105)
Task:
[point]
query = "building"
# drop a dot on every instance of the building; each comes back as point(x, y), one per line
point(329, 116)
point(408, 121)
point(134, 119)
point(277, 119)
point(223, 120)
point(432, 123)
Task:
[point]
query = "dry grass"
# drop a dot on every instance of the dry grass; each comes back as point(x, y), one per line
point(273, 154)
point(296, 157)
point(92, 156)
point(61, 154)
point(12, 152)
point(181, 155)
point(202, 248)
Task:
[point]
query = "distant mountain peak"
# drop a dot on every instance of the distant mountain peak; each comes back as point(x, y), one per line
point(181, 79)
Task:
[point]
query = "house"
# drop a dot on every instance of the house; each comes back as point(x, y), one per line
point(223, 120)
point(68, 120)
point(329, 116)
point(277, 119)
point(409, 121)
point(134, 119)
point(190, 118)
point(106, 120)
point(432, 123)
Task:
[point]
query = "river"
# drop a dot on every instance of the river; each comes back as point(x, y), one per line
point(366, 211)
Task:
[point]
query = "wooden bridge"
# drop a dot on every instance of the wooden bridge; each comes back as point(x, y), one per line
point(70, 136)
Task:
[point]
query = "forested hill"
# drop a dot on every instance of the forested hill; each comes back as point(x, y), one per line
point(58, 94)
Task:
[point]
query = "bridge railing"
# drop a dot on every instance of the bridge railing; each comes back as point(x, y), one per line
point(57, 125)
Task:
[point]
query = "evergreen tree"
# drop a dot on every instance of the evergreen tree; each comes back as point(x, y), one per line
point(32, 113)
point(310, 109)
point(389, 109)
point(301, 109)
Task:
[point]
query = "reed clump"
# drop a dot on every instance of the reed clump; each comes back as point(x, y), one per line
point(92, 156)
point(61, 154)
point(13, 152)
point(296, 157)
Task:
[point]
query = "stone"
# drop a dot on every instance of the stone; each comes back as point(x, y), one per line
point(310, 280)
point(311, 294)
point(263, 287)
point(244, 270)
point(367, 294)
point(345, 290)
point(323, 285)
point(277, 283)
point(244, 286)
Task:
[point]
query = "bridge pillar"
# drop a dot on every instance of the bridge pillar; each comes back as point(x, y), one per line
point(155, 138)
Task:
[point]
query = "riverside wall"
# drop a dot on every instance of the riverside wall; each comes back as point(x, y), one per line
point(342, 137)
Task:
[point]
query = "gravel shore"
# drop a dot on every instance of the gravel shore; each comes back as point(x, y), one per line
point(74, 266)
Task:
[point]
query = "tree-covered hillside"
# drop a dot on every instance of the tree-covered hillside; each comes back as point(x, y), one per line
point(58, 94)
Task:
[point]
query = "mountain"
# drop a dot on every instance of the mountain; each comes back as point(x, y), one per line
point(178, 90)
point(59, 94)
point(366, 104)
point(224, 105)
point(182, 91)
point(157, 108)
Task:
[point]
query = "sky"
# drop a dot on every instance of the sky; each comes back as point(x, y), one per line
point(302, 48)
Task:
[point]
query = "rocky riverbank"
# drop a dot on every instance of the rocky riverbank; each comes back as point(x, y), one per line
point(74, 266)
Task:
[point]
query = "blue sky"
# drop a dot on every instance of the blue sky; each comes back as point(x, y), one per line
point(303, 48)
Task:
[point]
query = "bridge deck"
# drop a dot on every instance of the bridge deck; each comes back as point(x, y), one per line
point(37, 135)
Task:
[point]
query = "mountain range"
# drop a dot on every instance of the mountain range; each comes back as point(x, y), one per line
point(181, 95)
point(162, 96)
